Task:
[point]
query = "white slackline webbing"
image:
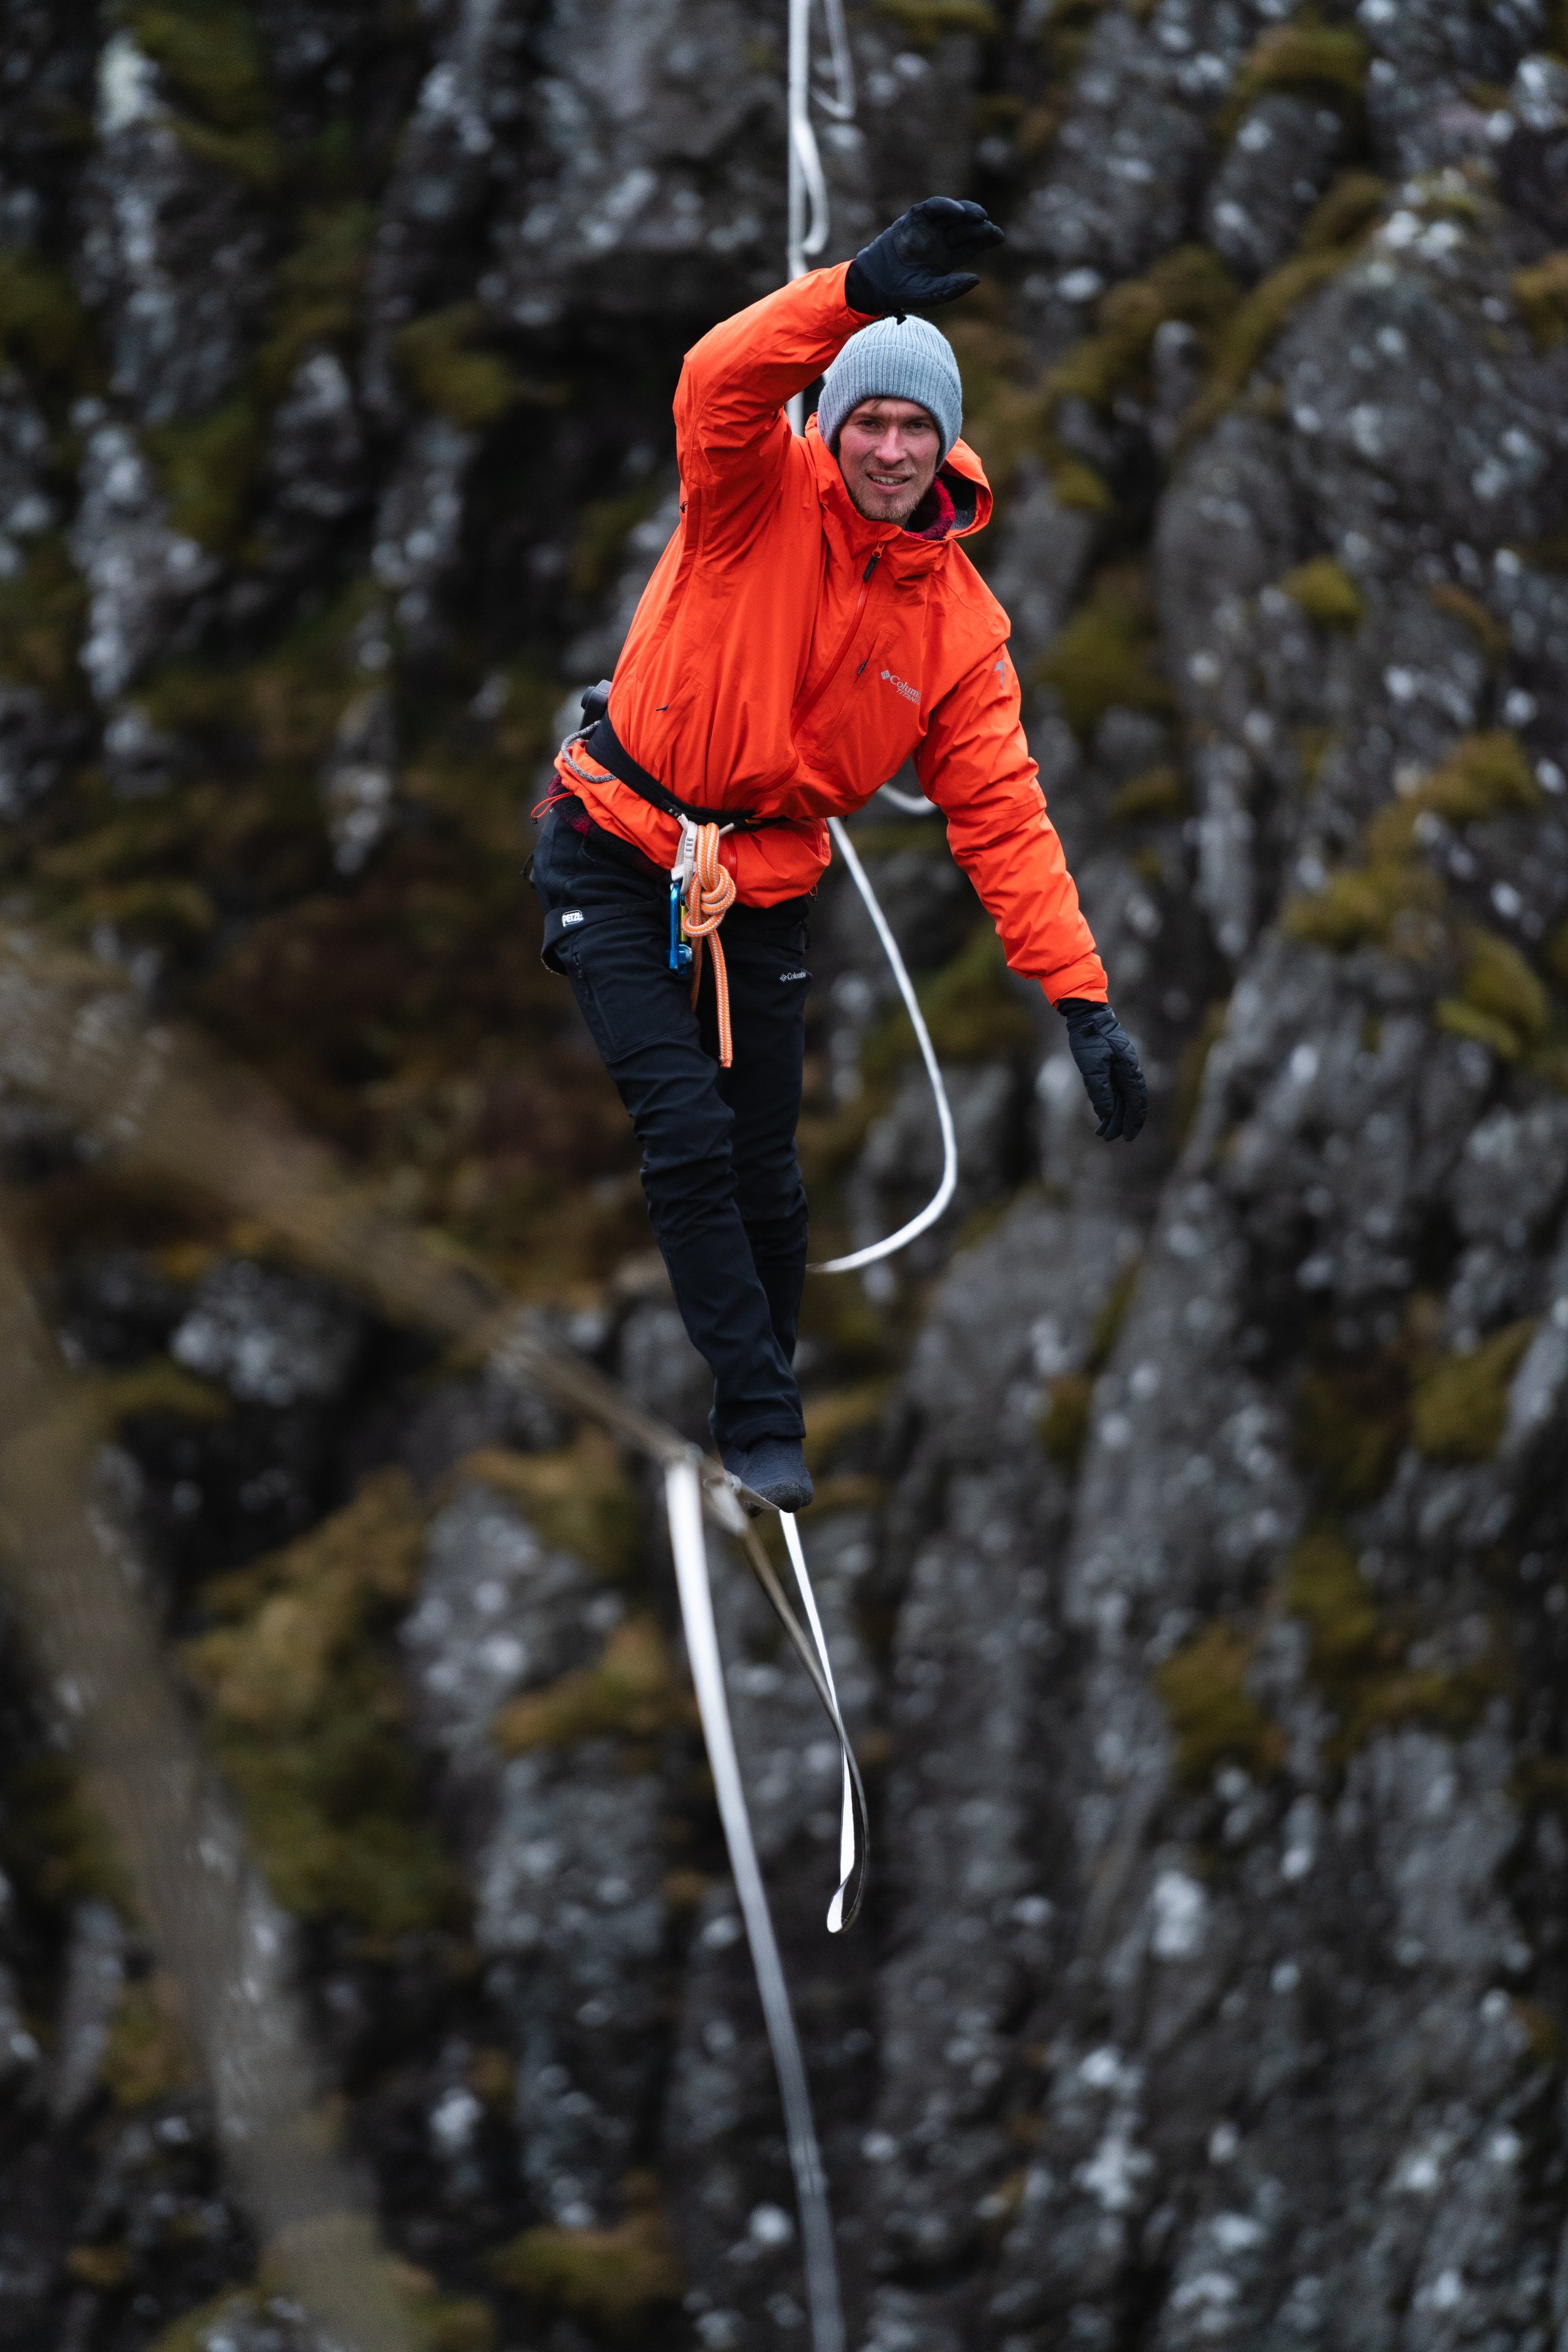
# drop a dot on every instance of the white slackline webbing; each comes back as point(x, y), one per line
point(944, 1190)
point(683, 1497)
point(846, 1846)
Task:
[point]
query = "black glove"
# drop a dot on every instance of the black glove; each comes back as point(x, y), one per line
point(919, 261)
point(1107, 1064)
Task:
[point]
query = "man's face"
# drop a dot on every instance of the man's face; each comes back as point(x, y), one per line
point(888, 452)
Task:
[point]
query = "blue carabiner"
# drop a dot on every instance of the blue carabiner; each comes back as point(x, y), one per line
point(679, 951)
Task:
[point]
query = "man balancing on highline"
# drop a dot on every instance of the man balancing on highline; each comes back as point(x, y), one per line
point(812, 625)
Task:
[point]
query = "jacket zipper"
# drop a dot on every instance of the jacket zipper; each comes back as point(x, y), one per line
point(840, 657)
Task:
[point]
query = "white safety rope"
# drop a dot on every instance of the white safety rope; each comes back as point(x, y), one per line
point(909, 804)
point(809, 217)
point(808, 193)
point(944, 1190)
point(683, 1497)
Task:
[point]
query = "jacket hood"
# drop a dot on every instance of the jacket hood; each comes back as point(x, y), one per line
point(961, 469)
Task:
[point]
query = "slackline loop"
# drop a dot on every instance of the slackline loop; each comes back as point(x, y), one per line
point(855, 1829)
point(944, 1190)
point(848, 1857)
point(683, 1495)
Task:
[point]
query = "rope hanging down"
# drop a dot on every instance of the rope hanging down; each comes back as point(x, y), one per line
point(808, 186)
point(809, 193)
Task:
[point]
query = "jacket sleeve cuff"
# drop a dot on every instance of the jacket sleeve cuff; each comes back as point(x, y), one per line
point(1087, 984)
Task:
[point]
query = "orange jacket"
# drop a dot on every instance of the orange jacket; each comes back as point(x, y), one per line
point(789, 656)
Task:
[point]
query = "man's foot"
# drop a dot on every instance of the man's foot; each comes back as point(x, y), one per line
point(774, 1468)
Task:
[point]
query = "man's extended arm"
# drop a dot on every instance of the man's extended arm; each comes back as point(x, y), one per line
point(975, 763)
point(731, 436)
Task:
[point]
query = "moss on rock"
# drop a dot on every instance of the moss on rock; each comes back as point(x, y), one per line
point(1325, 1588)
point(55, 1845)
point(316, 292)
point(44, 330)
point(1254, 328)
point(1459, 1403)
point(1459, 605)
point(1064, 1419)
point(42, 612)
point(1214, 1716)
point(208, 466)
point(211, 55)
point(445, 371)
point(306, 1718)
point(1326, 593)
point(1350, 205)
point(579, 1498)
point(617, 2281)
point(1352, 1419)
point(1386, 902)
point(1191, 284)
point(924, 23)
point(1107, 656)
point(1160, 795)
point(1323, 61)
point(1483, 776)
point(630, 1693)
point(1394, 899)
point(1358, 1656)
point(1541, 293)
point(1501, 1003)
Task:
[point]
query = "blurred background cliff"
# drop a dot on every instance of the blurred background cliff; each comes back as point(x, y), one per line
point(1192, 1520)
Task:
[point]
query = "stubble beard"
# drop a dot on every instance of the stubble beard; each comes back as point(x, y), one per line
point(898, 506)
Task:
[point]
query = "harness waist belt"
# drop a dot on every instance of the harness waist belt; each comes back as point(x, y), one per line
point(602, 743)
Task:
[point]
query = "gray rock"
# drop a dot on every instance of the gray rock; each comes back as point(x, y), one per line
point(1279, 164)
point(563, 1846)
point(272, 1338)
point(171, 251)
point(95, 1971)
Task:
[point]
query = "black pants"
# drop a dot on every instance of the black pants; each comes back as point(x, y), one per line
point(719, 1160)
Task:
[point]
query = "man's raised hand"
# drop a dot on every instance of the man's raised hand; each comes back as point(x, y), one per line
point(923, 261)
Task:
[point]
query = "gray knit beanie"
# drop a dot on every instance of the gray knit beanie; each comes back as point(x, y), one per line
point(896, 359)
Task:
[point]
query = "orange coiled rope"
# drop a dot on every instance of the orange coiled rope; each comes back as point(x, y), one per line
point(710, 895)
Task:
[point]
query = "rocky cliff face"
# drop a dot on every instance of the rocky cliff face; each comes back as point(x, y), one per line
point(1191, 1536)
